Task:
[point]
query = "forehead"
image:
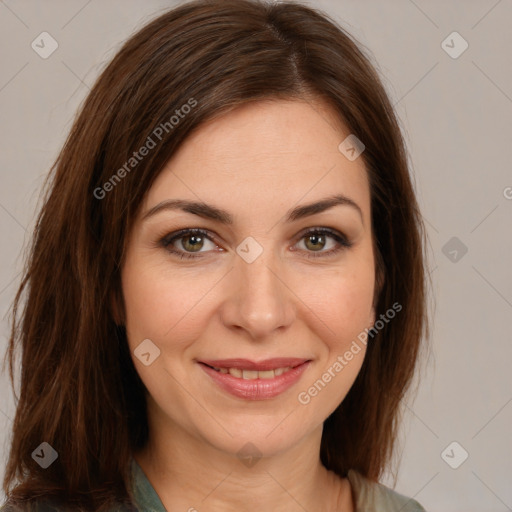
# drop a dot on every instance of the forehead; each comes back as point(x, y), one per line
point(262, 155)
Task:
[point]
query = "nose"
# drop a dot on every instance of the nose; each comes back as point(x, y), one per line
point(258, 300)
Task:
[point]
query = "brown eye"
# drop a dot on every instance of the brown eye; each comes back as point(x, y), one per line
point(192, 243)
point(315, 242)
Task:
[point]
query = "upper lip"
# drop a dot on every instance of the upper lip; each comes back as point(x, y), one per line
point(247, 364)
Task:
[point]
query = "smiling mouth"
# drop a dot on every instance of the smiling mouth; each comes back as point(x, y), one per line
point(253, 380)
point(252, 370)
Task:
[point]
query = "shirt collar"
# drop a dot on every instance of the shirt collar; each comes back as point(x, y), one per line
point(145, 496)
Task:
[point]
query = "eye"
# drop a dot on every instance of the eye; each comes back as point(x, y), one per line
point(315, 240)
point(190, 240)
point(188, 243)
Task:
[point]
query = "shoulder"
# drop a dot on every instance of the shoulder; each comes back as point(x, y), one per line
point(372, 496)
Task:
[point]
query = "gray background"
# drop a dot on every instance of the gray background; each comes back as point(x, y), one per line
point(456, 116)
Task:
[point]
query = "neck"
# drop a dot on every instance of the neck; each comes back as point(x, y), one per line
point(190, 474)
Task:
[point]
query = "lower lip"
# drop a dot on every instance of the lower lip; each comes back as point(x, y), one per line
point(256, 389)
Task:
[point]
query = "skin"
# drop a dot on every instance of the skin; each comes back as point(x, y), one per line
point(257, 162)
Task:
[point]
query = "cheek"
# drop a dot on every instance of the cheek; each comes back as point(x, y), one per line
point(341, 301)
point(161, 305)
point(350, 308)
point(339, 315)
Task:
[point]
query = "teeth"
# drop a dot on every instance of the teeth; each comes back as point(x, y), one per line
point(235, 372)
point(254, 374)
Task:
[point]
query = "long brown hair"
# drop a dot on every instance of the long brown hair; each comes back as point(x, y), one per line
point(80, 392)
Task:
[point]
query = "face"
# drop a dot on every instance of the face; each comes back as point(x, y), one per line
point(241, 331)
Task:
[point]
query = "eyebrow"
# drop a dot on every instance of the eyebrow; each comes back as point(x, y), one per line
point(212, 212)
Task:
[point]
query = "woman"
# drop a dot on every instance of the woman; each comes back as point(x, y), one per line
point(225, 296)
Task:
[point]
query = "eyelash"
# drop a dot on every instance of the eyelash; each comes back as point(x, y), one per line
point(167, 241)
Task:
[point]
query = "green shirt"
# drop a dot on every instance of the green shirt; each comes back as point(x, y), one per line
point(368, 496)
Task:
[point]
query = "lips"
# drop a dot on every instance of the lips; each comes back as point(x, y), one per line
point(247, 364)
point(252, 380)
